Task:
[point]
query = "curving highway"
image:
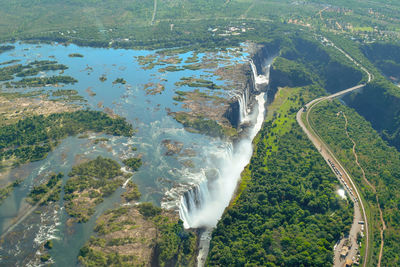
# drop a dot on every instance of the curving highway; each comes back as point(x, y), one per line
point(302, 118)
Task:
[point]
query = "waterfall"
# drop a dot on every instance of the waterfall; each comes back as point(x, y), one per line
point(259, 79)
point(191, 201)
point(243, 100)
point(201, 204)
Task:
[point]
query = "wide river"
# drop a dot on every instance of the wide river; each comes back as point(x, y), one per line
point(203, 160)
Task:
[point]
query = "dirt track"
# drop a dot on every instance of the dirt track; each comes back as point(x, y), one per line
point(334, 163)
point(373, 189)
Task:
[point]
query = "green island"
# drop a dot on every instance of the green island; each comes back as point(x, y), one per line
point(119, 80)
point(148, 62)
point(64, 92)
point(97, 140)
point(170, 69)
point(154, 89)
point(132, 192)
point(137, 236)
point(5, 191)
point(8, 72)
point(103, 78)
point(67, 95)
point(76, 55)
point(192, 59)
point(205, 113)
point(199, 124)
point(133, 163)
point(9, 62)
point(90, 182)
point(48, 191)
point(32, 138)
point(42, 81)
point(5, 48)
point(196, 82)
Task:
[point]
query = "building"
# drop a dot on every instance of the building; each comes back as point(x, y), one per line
point(344, 251)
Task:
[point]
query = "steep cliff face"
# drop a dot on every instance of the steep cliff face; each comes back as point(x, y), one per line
point(289, 73)
point(386, 57)
point(379, 103)
point(260, 55)
point(338, 76)
point(328, 66)
point(263, 52)
point(232, 113)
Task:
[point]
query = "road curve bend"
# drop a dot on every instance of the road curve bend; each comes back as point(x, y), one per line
point(302, 118)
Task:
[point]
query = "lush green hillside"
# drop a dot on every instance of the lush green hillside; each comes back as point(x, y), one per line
point(379, 103)
point(381, 164)
point(304, 60)
point(289, 213)
point(385, 56)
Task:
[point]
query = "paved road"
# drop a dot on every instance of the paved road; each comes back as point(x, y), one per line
point(154, 12)
point(340, 172)
point(344, 178)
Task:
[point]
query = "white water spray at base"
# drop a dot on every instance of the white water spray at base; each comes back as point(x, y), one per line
point(259, 79)
point(243, 100)
point(203, 206)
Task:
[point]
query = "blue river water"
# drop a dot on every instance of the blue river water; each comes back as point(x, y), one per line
point(146, 112)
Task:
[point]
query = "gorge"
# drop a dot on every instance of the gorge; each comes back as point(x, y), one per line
point(202, 205)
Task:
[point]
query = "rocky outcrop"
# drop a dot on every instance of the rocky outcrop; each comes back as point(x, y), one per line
point(260, 56)
point(232, 113)
point(264, 52)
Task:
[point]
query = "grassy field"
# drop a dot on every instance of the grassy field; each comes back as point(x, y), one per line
point(284, 103)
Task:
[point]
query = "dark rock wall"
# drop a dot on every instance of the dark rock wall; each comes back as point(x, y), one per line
point(262, 53)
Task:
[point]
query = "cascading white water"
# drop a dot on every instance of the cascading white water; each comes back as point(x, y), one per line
point(206, 214)
point(192, 200)
point(259, 79)
point(201, 204)
point(243, 100)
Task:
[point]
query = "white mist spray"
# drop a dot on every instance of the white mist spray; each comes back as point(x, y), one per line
point(259, 79)
point(203, 204)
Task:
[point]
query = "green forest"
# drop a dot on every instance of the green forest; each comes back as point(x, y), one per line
point(378, 103)
point(90, 182)
point(288, 213)
point(286, 165)
point(30, 139)
point(47, 191)
point(137, 23)
point(381, 164)
point(286, 210)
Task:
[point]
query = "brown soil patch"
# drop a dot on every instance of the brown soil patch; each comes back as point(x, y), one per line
point(12, 110)
point(139, 235)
